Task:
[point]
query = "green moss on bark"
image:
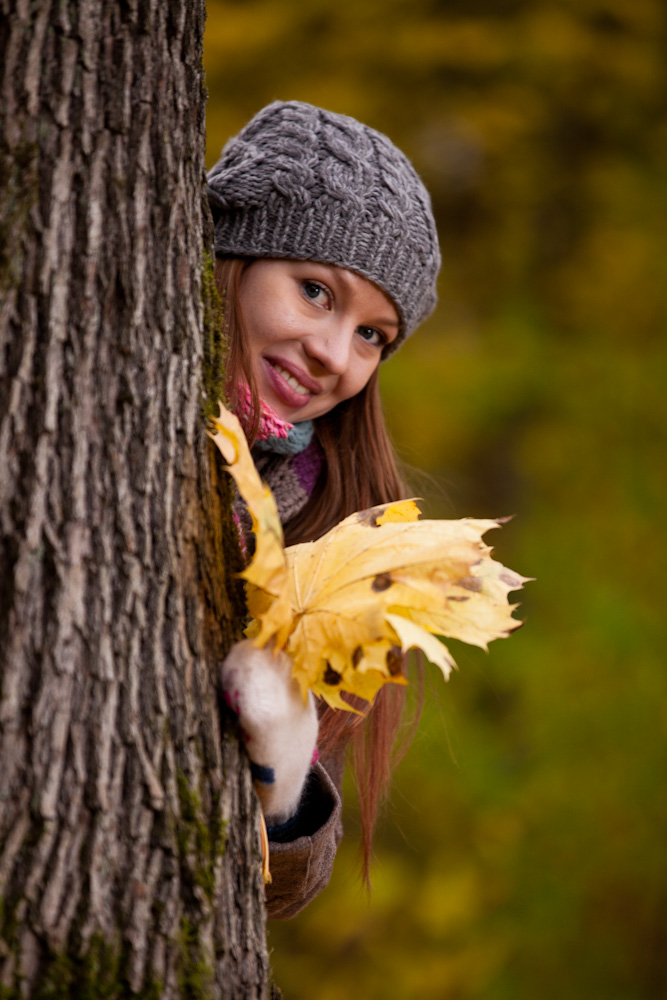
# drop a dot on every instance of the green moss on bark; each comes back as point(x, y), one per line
point(199, 838)
point(196, 976)
point(215, 341)
point(201, 843)
point(96, 974)
point(18, 194)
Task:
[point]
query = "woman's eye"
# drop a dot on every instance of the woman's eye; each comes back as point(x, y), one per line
point(372, 336)
point(315, 292)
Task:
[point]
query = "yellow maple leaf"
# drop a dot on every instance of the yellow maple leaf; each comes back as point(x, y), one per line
point(345, 607)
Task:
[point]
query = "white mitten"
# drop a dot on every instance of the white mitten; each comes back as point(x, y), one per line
point(279, 730)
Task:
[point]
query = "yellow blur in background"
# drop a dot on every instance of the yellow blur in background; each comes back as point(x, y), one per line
point(522, 854)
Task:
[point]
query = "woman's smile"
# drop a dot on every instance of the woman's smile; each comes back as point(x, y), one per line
point(295, 385)
point(290, 379)
point(316, 333)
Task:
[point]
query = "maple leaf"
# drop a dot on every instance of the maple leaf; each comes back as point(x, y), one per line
point(348, 605)
point(268, 594)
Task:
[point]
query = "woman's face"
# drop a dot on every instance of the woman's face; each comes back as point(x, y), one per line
point(316, 333)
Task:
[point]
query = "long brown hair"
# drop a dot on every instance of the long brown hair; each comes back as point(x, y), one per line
point(359, 471)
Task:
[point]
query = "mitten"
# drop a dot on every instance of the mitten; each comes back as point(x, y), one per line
point(278, 728)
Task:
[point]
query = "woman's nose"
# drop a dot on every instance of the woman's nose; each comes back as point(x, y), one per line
point(331, 348)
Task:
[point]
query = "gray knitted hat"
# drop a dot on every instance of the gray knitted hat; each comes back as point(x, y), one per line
point(308, 184)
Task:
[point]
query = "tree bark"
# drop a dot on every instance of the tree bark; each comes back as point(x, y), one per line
point(129, 859)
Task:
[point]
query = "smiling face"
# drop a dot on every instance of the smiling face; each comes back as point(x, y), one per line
point(316, 333)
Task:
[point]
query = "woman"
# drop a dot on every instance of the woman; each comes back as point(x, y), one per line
point(327, 259)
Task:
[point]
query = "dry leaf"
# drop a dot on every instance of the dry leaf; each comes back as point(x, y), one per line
point(346, 606)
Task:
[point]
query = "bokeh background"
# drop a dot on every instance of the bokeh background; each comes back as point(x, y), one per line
point(523, 853)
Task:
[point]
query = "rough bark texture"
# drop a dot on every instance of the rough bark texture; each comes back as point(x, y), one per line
point(128, 849)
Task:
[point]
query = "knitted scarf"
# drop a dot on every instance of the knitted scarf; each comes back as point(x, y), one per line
point(289, 459)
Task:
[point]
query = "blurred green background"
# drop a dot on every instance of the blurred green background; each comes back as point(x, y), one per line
point(523, 852)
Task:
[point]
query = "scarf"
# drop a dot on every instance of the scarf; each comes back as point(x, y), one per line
point(289, 459)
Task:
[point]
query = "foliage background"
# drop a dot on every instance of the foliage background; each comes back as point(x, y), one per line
point(523, 853)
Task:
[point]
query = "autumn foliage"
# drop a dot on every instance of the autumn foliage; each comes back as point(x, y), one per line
point(523, 855)
point(346, 606)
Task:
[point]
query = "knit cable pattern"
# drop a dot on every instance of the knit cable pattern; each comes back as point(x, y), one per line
point(304, 183)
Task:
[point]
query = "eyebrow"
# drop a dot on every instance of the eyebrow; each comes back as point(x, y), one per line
point(341, 273)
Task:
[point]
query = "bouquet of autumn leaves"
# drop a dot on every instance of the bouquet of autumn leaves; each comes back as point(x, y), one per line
point(347, 606)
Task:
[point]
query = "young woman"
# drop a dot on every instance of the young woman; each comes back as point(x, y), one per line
point(327, 259)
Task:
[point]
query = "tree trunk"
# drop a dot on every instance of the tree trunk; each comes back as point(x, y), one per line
point(129, 859)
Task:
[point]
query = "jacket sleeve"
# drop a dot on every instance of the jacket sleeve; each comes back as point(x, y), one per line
point(302, 851)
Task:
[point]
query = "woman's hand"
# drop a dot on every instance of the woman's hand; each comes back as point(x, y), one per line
point(279, 730)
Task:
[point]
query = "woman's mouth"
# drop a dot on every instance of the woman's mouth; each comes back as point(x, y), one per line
point(291, 380)
point(293, 387)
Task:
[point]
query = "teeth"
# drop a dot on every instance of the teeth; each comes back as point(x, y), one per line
point(291, 381)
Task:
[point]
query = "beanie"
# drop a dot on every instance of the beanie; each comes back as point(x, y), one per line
point(304, 183)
